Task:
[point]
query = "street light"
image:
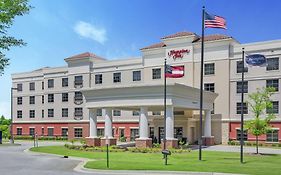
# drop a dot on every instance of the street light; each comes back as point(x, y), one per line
point(11, 126)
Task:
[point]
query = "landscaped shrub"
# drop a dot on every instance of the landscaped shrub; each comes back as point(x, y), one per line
point(123, 139)
point(279, 145)
point(231, 142)
point(156, 145)
point(23, 137)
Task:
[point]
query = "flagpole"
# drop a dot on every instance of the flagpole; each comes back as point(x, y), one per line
point(242, 110)
point(165, 112)
point(201, 84)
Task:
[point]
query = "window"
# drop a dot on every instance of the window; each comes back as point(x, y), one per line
point(156, 113)
point(19, 87)
point(50, 131)
point(98, 79)
point(64, 132)
point(178, 112)
point(32, 131)
point(117, 113)
point(31, 113)
point(156, 73)
point(209, 69)
point(134, 134)
point(238, 134)
point(78, 98)
point(50, 83)
point(50, 112)
point(136, 113)
point(42, 85)
point(50, 98)
point(272, 64)
point(117, 77)
point(239, 87)
point(239, 67)
point(78, 80)
point(274, 109)
point(32, 100)
point(100, 132)
point(64, 97)
point(273, 83)
point(78, 132)
point(32, 86)
point(19, 114)
point(19, 131)
point(64, 112)
point(43, 131)
point(43, 114)
point(78, 112)
point(151, 132)
point(272, 135)
point(19, 99)
point(137, 75)
point(99, 112)
point(64, 82)
point(239, 108)
point(209, 87)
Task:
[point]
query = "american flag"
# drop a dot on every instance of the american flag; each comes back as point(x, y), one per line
point(214, 21)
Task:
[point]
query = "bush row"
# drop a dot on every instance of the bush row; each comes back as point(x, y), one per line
point(253, 143)
point(39, 138)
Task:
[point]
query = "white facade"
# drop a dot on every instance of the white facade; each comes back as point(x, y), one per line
point(221, 56)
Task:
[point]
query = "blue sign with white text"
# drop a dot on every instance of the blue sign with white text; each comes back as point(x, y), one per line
point(256, 60)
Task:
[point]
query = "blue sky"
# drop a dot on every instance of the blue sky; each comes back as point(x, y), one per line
point(114, 29)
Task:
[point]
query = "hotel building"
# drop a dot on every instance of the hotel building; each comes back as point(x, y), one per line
point(93, 97)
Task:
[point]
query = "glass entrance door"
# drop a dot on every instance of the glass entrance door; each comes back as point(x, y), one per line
point(161, 134)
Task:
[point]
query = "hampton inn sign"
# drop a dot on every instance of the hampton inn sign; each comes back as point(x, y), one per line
point(178, 53)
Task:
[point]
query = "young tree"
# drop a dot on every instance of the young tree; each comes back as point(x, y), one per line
point(9, 9)
point(260, 105)
point(4, 126)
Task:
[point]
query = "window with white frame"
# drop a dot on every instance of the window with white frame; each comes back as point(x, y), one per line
point(50, 131)
point(31, 131)
point(50, 83)
point(78, 80)
point(42, 99)
point(239, 108)
point(64, 82)
point(99, 112)
point(19, 100)
point(19, 87)
point(117, 77)
point(31, 113)
point(64, 97)
point(239, 87)
point(43, 113)
point(98, 79)
point(209, 68)
point(239, 67)
point(272, 135)
point(50, 112)
point(137, 75)
point(156, 73)
point(78, 112)
point(32, 100)
point(156, 113)
point(116, 113)
point(19, 114)
point(64, 132)
point(32, 86)
point(64, 112)
point(19, 131)
point(100, 132)
point(78, 132)
point(136, 113)
point(50, 98)
point(272, 64)
point(209, 87)
point(273, 83)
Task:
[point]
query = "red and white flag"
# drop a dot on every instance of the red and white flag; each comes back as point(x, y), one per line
point(174, 71)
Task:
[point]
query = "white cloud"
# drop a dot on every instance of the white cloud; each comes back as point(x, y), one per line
point(5, 109)
point(90, 31)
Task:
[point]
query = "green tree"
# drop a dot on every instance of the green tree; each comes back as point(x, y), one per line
point(9, 9)
point(260, 105)
point(4, 126)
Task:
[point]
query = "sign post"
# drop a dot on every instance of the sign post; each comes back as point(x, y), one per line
point(107, 151)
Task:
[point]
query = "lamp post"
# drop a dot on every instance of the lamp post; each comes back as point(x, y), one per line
point(11, 126)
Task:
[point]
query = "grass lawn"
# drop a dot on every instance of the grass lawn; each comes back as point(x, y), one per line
point(212, 161)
